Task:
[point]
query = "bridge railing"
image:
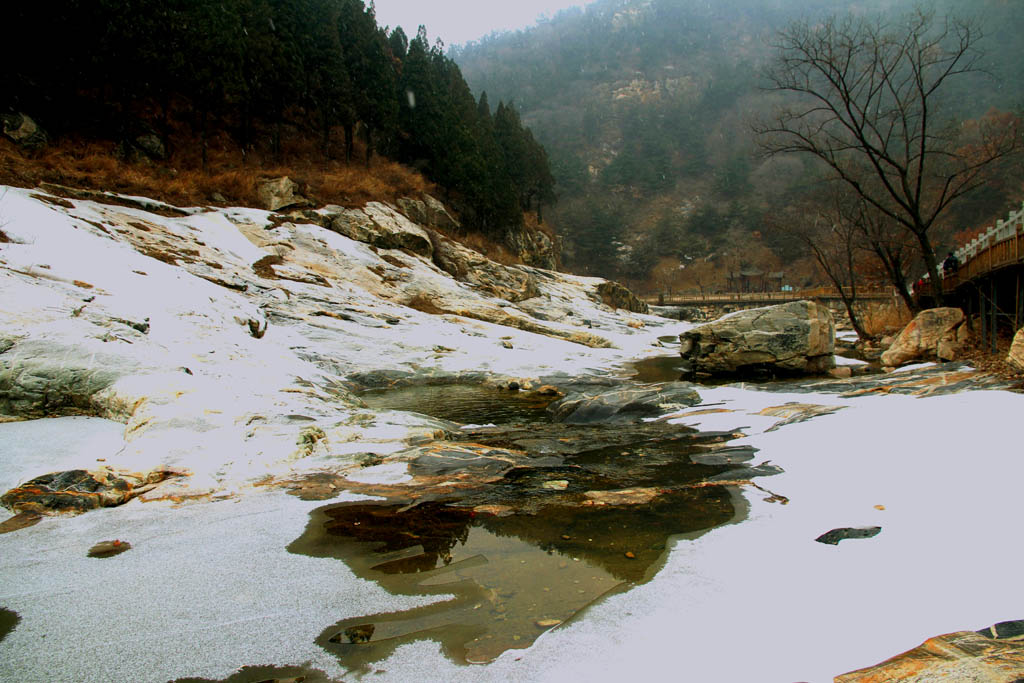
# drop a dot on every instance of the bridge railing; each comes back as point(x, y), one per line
point(767, 297)
point(1000, 245)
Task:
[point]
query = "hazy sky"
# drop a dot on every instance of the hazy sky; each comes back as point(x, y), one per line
point(459, 21)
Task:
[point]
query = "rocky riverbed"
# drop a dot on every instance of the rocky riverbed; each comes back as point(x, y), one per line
point(334, 443)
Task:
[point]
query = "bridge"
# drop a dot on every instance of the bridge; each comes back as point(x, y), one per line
point(743, 299)
point(989, 282)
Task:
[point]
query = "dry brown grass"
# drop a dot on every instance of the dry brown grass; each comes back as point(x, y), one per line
point(182, 181)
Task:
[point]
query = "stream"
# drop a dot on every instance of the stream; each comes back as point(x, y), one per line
point(592, 510)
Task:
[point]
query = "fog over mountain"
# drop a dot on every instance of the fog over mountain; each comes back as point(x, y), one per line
point(645, 109)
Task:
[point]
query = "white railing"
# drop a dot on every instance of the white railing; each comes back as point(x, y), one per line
point(1002, 230)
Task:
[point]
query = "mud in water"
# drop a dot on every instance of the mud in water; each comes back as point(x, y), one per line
point(463, 403)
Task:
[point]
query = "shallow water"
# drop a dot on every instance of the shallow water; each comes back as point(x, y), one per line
point(592, 510)
point(466, 404)
point(512, 577)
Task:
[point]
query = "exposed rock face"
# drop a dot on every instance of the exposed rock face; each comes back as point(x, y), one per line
point(615, 295)
point(77, 491)
point(1016, 356)
point(935, 333)
point(428, 212)
point(381, 226)
point(797, 337)
point(535, 248)
point(465, 265)
point(994, 654)
point(624, 404)
point(278, 193)
point(24, 131)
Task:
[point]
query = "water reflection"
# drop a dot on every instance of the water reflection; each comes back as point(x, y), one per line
point(512, 577)
point(463, 403)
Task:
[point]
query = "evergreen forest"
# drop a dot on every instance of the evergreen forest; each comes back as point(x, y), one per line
point(254, 75)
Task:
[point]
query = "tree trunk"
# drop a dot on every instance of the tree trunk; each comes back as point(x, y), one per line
point(349, 141)
point(933, 267)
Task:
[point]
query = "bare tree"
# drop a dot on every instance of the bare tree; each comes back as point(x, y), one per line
point(867, 98)
point(884, 238)
point(833, 243)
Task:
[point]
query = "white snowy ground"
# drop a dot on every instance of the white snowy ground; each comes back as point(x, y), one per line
point(209, 588)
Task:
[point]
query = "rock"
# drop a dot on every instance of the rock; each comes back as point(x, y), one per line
point(1015, 358)
point(277, 193)
point(555, 485)
point(797, 337)
point(833, 537)
point(547, 623)
point(841, 372)
point(24, 131)
point(994, 654)
point(617, 296)
point(535, 248)
point(465, 265)
point(935, 333)
point(76, 491)
point(624, 404)
point(109, 548)
point(381, 226)
point(428, 212)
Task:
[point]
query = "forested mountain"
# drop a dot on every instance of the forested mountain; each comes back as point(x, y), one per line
point(646, 108)
point(256, 73)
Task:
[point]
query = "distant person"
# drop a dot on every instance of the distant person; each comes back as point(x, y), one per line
point(951, 264)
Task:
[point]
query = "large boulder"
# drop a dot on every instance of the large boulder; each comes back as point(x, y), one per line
point(793, 338)
point(381, 226)
point(277, 193)
point(428, 212)
point(617, 296)
point(469, 266)
point(1016, 356)
point(76, 491)
point(938, 333)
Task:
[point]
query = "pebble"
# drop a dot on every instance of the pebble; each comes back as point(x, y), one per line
point(630, 555)
point(548, 623)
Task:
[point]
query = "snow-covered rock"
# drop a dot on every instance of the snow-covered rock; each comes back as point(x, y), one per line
point(217, 336)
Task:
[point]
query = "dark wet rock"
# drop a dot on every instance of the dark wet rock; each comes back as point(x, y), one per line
point(42, 378)
point(105, 549)
point(617, 296)
point(833, 537)
point(357, 634)
point(22, 520)
point(763, 470)
point(735, 455)
point(21, 129)
point(1005, 630)
point(8, 622)
point(793, 338)
point(937, 333)
point(624, 405)
point(76, 491)
point(987, 656)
